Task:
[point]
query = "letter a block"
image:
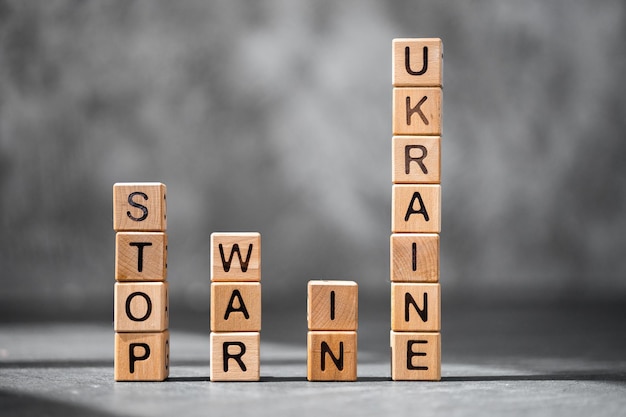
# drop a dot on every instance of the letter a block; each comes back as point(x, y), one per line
point(415, 356)
point(416, 209)
point(141, 256)
point(141, 307)
point(235, 356)
point(235, 307)
point(139, 207)
point(235, 257)
point(332, 356)
point(332, 305)
point(142, 356)
point(415, 307)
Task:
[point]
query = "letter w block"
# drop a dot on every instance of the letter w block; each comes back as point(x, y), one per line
point(236, 257)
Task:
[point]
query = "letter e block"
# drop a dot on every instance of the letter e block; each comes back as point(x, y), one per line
point(141, 256)
point(415, 356)
point(416, 111)
point(235, 356)
point(414, 257)
point(235, 306)
point(416, 209)
point(332, 305)
point(416, 159)
point(331, 356)
point(139, 207)
point(415, 307)
point(142, 356)
point(417, 62)
point(141, 307)
point(235, 257)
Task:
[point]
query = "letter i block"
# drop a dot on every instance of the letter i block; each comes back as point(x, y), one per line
point(416, 159)
point(141, 256)
point(142, 356)
point(332, 305)
point(331, 356)
point(415, 356)
point(414, 257)
point(235, 356)
point(417, 62)
point(236, 256)
point(415, 307)
point(235, 307)
point(141, 307)
point(416, 209)
point(140, 207)
point(416, 111)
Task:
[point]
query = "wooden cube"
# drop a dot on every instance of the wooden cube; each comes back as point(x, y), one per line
point(416, 159)
point(416, 111)
point(142, 356)
point(331, 356)
point(416, 208)
point(415, 307)
point(141, 307)
point(235, 306)
point(414, 257)
point(140, 207)
point(415, 356)
point(333, 305)
point(235, 356)
point(141, 256)
point(236, 256)
point(417, 62)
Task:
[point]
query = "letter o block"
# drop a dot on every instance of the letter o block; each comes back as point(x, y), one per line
point(141, 307)
point(235, 356)
point(139, 207)
point(142, 356)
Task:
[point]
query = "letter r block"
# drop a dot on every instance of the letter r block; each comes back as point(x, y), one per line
point(332, 305)
point(236, 256)
point(416, 208)
point(141, 307)
point(331, 356)
point(416, 111)
point(416, 159)
point(140, 207)
point(142, 356)
point(417, 62)
point(141, 256)
point(235, 356)
point(235, 306)
point(415, 307)
point(415, 356)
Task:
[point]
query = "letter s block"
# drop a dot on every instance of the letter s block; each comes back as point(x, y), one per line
point(140, 207)
point(235, 356)
point(142, 356)
point(141, 307)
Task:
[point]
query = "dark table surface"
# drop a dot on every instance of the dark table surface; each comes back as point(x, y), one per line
point(516, 360)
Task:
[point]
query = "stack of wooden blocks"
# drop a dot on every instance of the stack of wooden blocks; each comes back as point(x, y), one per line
point(332, 316)
point(235, 306)
point(141, 315)
point(416, 209)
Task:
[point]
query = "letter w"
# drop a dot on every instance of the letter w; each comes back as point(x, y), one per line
point(244, 264)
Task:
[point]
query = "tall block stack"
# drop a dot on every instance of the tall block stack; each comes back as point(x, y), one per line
point(141, 315)
point(332, 315)
point(235, 306)
point(416, 210)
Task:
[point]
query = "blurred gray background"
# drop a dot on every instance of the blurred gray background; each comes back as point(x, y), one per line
point(275, 116)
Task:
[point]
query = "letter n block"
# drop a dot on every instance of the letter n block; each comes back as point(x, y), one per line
point(141, 307)
point(235, 306)
point(142, 356)
point(415, 356)
point(141, 256)
point(331, 356)
point(416, 208)
point(332, 305)
point(140, 207)
point(235, 257)
point(415, 307)
point(235, 356)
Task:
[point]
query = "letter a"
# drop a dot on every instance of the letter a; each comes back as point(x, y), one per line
point(422, 209)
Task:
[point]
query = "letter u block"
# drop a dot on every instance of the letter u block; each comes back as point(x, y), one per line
point(235, 356)
point(141, 307)
point(417, 62)
point(140, 207)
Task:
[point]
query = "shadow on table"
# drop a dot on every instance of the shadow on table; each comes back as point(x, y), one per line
point(20, 404)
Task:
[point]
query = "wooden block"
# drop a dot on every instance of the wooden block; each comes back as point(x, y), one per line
point(142, 356)
point(416, 208)
point(235, 306)
point(236, 256)
point(416, 159)
point(416, 111)
point(141, 307)
point(414, 257)
point(415, 307)
point(235, 356)
point(417, 62)
point(415, 356)
point(141, 256)
point(140, 207)
point(331, 356)
point(333, 305)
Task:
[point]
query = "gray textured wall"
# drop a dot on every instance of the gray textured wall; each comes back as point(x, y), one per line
point(276, 117)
